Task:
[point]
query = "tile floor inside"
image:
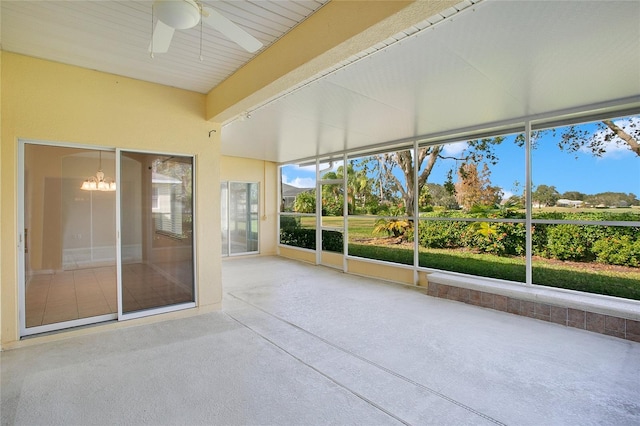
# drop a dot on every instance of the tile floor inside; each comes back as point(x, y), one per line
point(83, 293)
point(69, 295)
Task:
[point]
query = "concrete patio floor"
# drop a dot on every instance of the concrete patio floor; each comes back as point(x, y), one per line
point(297, 344)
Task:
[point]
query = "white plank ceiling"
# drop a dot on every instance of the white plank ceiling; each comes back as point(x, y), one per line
point(114, 36)
point(489, 63)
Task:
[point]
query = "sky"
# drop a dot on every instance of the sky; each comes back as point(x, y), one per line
point(618, 170)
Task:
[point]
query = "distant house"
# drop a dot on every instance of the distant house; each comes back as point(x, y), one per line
point(569, 203)
point(289, 193)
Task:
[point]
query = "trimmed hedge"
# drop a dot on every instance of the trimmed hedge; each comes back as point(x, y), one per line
point(298, 237)
point(292, 234)
point(615, 245)
point(586, 243)
point(612, 245)
point(618, 251)
point(289, 222)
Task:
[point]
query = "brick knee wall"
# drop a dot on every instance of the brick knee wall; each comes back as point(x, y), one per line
point(599, 323)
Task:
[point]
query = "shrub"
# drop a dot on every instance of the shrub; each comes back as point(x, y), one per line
point(569, 242)
point(441, 234)
point(298, 237)
point(333, 206)
point(514, 238)
point(372, 206)
point(289, 222)
point(388, 254)
point(501, 238)
point(306, 238)
point(332, 241)
point(596, 216)
point(622, 251)
point(305, 202)
point(395, 227)
point(563, 241)
point(576, 242)
point(539, 240)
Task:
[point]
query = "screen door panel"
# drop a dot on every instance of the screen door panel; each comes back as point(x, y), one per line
point(156, 231)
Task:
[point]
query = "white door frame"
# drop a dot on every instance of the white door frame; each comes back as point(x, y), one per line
point(22, 244)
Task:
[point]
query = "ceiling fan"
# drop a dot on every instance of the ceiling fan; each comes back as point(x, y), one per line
point(184, 14)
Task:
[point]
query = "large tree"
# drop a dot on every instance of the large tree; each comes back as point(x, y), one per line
point(434, 194)
point(476, 152)
point(305, 202)
point(617, 199)
point(545, 195)
point(573, 195)
point(474, 188)
point(623, 133)
point(359, 186)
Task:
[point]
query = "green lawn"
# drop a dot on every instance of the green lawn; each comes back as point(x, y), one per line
point(359, 227)
point(611, 283)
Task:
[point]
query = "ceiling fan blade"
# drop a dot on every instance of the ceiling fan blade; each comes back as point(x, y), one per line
point(230, 30)
point(162, 35)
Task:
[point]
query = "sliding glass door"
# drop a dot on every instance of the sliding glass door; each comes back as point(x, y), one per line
point(239, 212)
point(224, 217)
point(156, 249)
point(94, 248)
point(67, 266)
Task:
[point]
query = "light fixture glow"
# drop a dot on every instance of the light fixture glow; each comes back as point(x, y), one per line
point(98, 182)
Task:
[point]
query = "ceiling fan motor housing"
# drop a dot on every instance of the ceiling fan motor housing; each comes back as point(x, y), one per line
point(178, 14)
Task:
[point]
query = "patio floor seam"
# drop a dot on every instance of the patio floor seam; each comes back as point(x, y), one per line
point(359, 357)
point(328, 377)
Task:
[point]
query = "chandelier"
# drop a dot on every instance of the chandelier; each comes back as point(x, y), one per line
point(98, 182)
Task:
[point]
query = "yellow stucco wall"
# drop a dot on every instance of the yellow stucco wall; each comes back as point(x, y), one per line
point(297, 254)
point(386, 272)
point(333, 260)
point(48, 101)
point(265, 173)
